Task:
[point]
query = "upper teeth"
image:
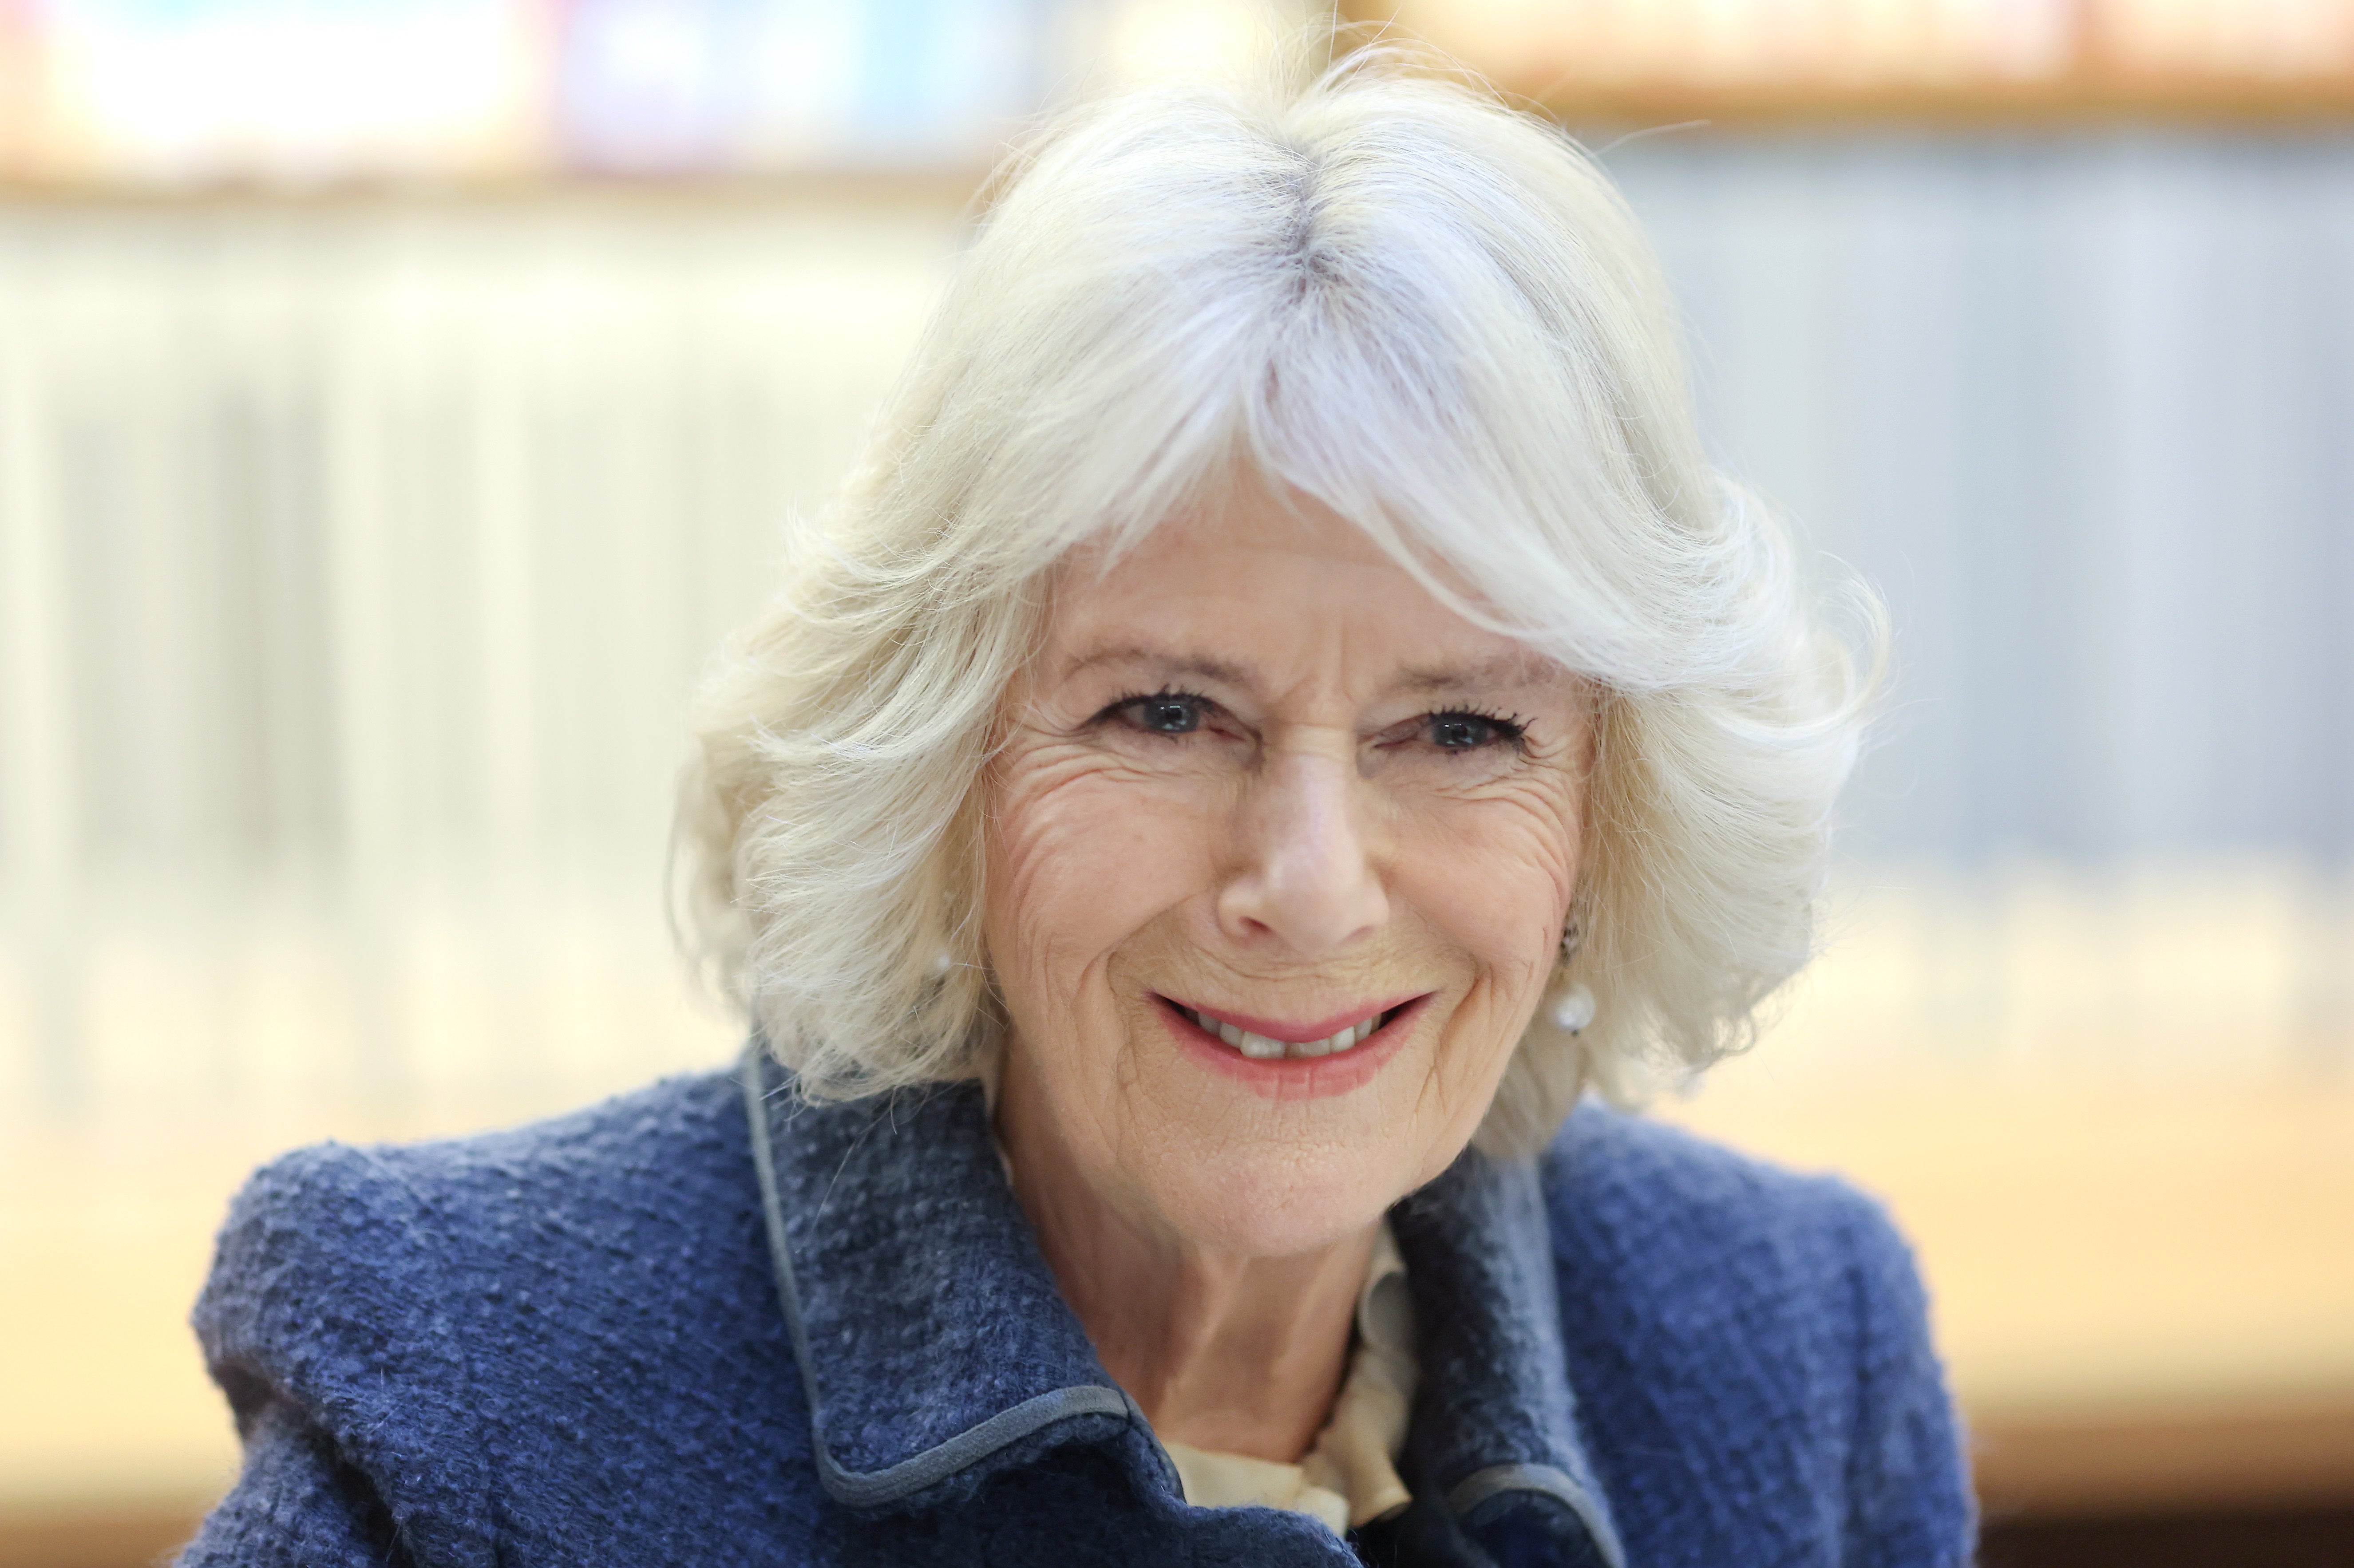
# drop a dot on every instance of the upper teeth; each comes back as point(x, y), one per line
point(1259, 1048)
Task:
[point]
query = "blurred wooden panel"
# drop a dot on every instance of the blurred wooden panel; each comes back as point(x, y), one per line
point(108, 1412)
point(90, 1536)
point(1739, 64)
point(2180, 1459)
point(2271, 1537)
point(2144, 1291)
point(2250, 103)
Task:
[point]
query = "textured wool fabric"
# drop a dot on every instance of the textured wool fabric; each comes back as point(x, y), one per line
point(575, 1343)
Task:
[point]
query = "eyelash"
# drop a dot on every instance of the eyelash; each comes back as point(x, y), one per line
point(1511, 728)
point(1165, 694)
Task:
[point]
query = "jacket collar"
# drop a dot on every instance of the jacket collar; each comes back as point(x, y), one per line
point(936, 1349)
point(1495, 1427)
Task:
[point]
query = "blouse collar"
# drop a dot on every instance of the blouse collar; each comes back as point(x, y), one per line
point(936, 1349)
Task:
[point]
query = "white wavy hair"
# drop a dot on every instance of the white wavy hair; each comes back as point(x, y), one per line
point(1384, 288)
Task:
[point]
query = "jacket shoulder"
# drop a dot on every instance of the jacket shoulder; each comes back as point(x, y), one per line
point(377, 1234)
point(1760, 1323)
point(513, 1313)
point(1677, 1238)
point(1640, 1192)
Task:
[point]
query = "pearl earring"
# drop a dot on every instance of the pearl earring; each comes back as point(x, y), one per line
point(1570, 1005)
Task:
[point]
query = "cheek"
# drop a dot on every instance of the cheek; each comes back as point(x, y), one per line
point(1079, 858)
point(1497, 877)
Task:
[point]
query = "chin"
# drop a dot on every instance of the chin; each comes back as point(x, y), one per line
point(1281, 1202)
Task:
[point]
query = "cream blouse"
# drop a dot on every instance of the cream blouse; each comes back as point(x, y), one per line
point(1349, 1476)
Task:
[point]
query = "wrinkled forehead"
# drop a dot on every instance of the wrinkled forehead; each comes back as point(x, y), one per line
point(1263, 589)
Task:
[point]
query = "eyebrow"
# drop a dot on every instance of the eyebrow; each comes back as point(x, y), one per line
point(1199, 666)
point(1520, 669)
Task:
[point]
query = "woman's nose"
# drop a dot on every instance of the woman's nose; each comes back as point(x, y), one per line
point(1305, 872)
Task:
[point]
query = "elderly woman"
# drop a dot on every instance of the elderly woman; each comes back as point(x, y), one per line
point(1282, 710)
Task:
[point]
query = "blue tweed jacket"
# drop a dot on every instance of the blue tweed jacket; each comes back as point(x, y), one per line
point(665, 1330)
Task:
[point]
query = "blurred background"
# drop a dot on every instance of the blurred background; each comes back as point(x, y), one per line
point(400, 398)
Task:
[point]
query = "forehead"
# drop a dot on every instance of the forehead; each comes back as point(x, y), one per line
point(1260, 591)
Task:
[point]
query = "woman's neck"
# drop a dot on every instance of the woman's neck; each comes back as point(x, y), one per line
point(1223, 1352)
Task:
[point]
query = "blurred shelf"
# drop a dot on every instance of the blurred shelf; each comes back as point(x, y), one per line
point(2168, 1459)
point(1912, 62)
point(2265, 1538)
point(2080, 105)
point(2086, 102)
point(847, 187)
point(121, 1536)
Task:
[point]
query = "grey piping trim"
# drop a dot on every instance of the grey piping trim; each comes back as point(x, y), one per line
point(871, 1488)
point(1136, 1418)
point(1480, 1485)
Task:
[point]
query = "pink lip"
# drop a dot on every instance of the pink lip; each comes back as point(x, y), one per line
point(1284, 1078)
point(1295, 1034)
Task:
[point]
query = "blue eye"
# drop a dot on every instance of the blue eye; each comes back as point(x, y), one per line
point(1166, 713)
point(1469, 732)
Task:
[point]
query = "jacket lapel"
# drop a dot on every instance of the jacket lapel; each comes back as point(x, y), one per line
point(936, 1350)
point(1495, 1427)
point(933, 1343)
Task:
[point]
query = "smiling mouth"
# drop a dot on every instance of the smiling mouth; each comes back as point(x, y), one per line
point(1266, 1048)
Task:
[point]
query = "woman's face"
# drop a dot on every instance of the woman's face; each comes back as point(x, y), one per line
point(1260, 780)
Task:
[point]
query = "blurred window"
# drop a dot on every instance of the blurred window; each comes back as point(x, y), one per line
point(284, 89)
point(307, 91)
point(295, 91)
